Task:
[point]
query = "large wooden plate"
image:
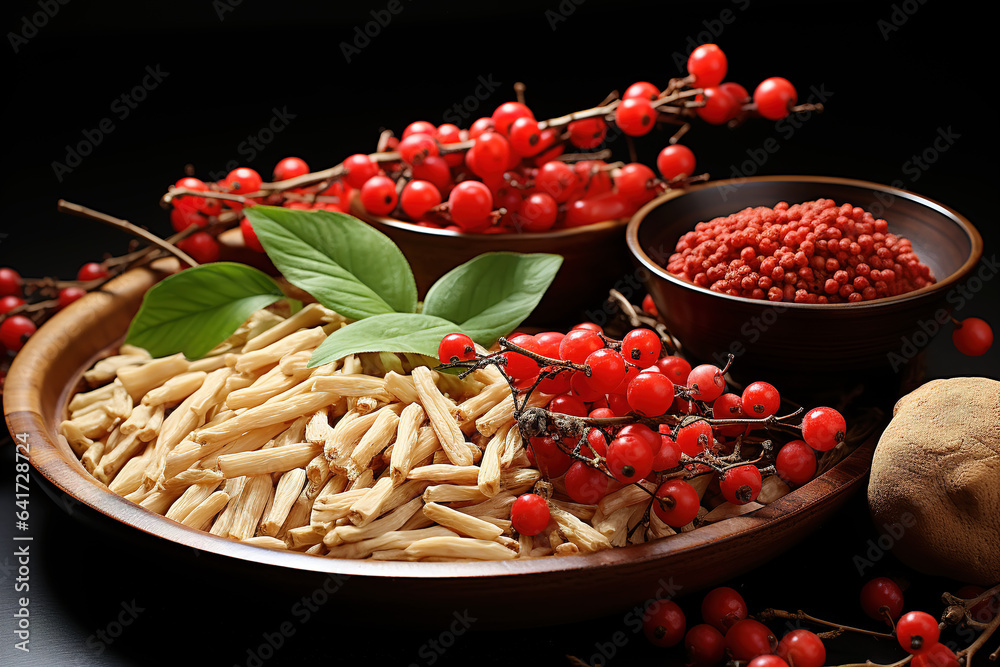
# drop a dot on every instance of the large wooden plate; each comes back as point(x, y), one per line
point(530, 592)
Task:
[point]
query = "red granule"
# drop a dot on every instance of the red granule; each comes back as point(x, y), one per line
point(814, 252)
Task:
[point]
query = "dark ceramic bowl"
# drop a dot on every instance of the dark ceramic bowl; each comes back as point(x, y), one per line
point(776, 339)
point(594, 259)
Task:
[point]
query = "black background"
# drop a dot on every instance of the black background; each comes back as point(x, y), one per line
point(896, 75)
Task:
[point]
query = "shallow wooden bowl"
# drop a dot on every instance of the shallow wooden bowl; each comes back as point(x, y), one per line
point(507, 593)
point(812, 341)
point(594, 259)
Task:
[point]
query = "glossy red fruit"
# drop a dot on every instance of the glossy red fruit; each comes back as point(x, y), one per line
point(938, 655)
point(668, 456)
point(419, 127)
point(677, 503)
point(729, 406)
point(629, 459)
point(767, 660)
point(635, 116)
point(546, 455)
point(91, 271)
point(704, 646)
point(68, 295)
point(774, 97)
point(9, 303)
point(644, 433)
point(585, 484)
point(202, 246)
point(747, 639)
point(419, 197)
point(823, 428)
point(760, 400)
point(508, 112)
point(695, 437)
point(663, 623)
point(529, 514)
point(706, 382)
point(675, 368)
point(14, 331)
point(641, 347)
point(675, 161)
point(378, 195)
point(650, 394)
point(470, 204)
point(917, 631)
point(588, 132)
point(708, 65)
point(358, 168)
point(882, 593)
point(243, 180)
point(720, 107)
point(415, 148)
point(456, 347)
point(578, 344)
point(290, 167)
point(250, 236)
point(742, 484)
point(722, 607)
point(607, 369)
point(972, 337)
point(796, 463)
point(802, 648)
point(10, 282)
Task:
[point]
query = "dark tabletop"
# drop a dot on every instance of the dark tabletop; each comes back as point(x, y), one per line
point(906, 87)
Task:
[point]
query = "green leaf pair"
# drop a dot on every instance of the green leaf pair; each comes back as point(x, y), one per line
point(353, 269)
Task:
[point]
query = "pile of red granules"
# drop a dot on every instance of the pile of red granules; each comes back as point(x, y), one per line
point(814, 252)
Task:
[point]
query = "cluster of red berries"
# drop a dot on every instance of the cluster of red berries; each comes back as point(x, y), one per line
point(15, 326)
point(726, 633)
point(813, 252)
point(633, 377)
point(508, 171)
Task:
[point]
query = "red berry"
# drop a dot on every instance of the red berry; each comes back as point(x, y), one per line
point(729, 406)
point(986, 610)
point(290, 167)
point(490, 156)
point(796, 462)
point(508, 112)
point(675, 161)
point(663, 623)
point(650, 394)
point(802, 648)
point(419, 127)
point(643, 89)
point(587, 132)
point(378, 195)
point(972, 336)
point(760, 400)
point(720, 107)
point(243, 180)
point(704, 646)
point(520, 366)
point(917, 631)
point(14, 331)
point(774, 97)
point(668, 456)
point(567, 404)
point(677, 503)
point(547, 456)
point(695, 438)
point(636, 181)
point(708, 65)
point(358, 168)
point(529, 514)
point(578, 344)
point(706, 382)
point(629, 459)
point(607, 369)
point(538, 212)
point(91, 271)
point(882, 593)
point(635, 116)
point(823, 428)
point(767, 660)
point(250, 236)
point(418, 198)
point(590, 326)
point(722, 607)
point(675, 368)
point(525, 136)
point(641, 347)
point(456, 347)
point(747, 639)
point(202, 247)
point(649, 306)
point(415, 148)
point(938, 655)
point(585, 484)
point(9, 303)
point(470, 204)
point(644, 433)
point(10, 282)
point(741, 485)
point(68, 295)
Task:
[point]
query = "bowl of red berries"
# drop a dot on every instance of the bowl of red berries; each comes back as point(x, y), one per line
point(820, 275)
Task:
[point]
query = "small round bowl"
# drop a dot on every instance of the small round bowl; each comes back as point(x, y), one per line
point(594, 259)
point(777, 340)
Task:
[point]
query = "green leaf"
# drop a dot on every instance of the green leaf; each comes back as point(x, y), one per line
point(198, 308)
point(346, 264)
point(391, 332)
point(490, 295)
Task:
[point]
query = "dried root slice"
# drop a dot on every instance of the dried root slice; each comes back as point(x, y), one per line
point(306, 339)
point(450, 493)
point(401, 387)
point(446, 473)
point(407, 434)
point(175, 390)
point(266, 542)
point(438, 411)
point(624, 497)
point(489, 466)
point(395, 540)
point(272, 412)
point(250, 506)
point(265, 461)
point(105, 370)
point(729, 510)
point(200, 516)
point(285, 494)
point(394, 520)
point(311, 315)
point(140, 380)
point(583, 535)
point(464, 524)
point(458, 547)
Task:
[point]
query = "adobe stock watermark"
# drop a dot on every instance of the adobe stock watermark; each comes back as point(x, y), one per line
point(365, 33)
point(900, 14)
point(254, 143)
point(878, 548)
point(633, 620)
point(958, 296)
point(562, 12)
point(433, 649)
point(461, 111)
point(120, 109)
point(302, 611)
point(223, 7)
point(713, 29)
point(915, 167)
point(106, 636)
point(32, 23)
point(786, 128)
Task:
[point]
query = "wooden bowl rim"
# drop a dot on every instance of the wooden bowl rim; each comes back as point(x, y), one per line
point(513, 237)
point(963, 223)
point(25, 415)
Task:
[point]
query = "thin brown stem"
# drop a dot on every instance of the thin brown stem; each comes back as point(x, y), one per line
point(802, 616)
